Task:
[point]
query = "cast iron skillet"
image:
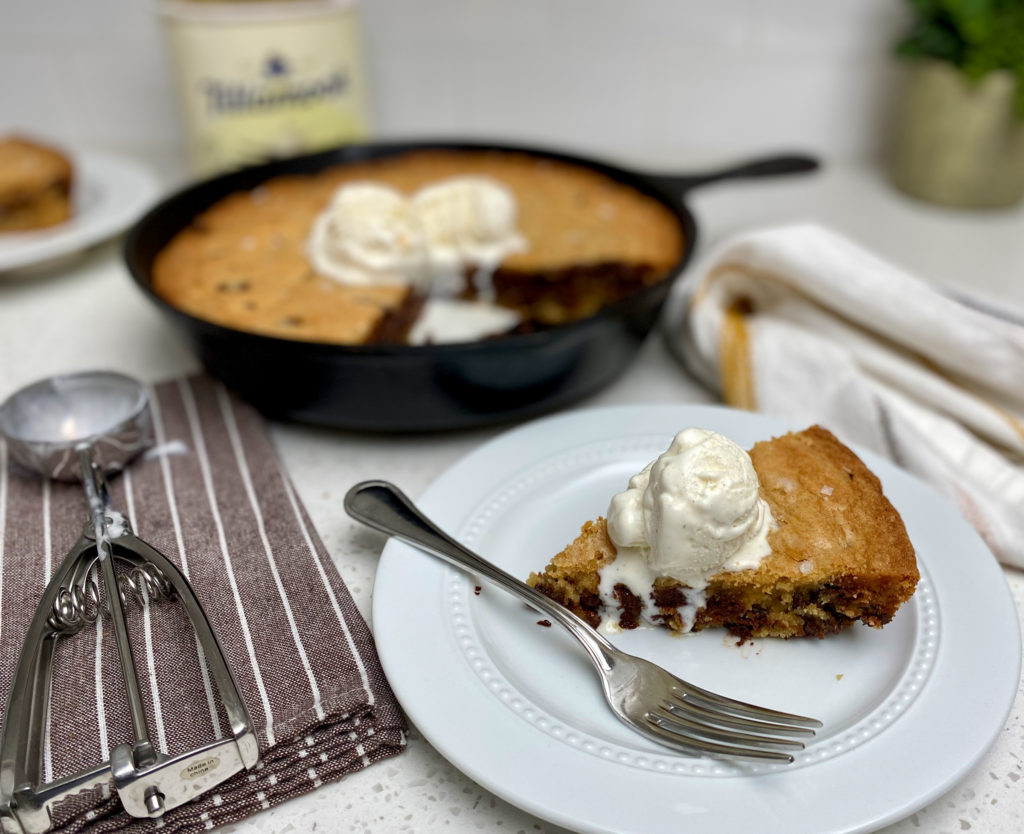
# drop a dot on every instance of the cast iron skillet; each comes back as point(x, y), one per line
point(399, 388)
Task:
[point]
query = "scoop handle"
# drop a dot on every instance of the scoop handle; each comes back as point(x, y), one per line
point(98, 497)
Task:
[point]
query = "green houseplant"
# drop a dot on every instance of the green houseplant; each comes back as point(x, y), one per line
point(959, 135)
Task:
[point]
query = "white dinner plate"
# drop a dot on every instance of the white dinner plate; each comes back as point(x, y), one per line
point(109, 194)
point(908, 710)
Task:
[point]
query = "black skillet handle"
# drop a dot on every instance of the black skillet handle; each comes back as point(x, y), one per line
point(772, 166)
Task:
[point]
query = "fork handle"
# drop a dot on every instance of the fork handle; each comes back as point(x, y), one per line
point(384, 507)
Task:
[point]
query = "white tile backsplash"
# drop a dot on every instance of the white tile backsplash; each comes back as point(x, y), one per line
point(597, 23)
point(829, 28)
point(59, 23)
point(100, 82)
point(32, 93)
point(656, 81)
point(447, 24)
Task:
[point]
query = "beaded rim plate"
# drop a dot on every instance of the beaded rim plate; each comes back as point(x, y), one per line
point(515, 705)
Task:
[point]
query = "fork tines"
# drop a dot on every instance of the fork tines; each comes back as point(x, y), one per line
point(700, 722)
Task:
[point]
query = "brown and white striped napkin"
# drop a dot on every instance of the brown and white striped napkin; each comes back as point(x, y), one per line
point(212, 496)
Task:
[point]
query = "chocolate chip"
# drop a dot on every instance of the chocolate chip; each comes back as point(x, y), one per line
point(234, 286)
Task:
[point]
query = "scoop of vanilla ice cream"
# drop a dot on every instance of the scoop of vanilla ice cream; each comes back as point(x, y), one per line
point(695, 510)
point(369, 234)
point(373, 234)
point(626, 524)
point(468, 220)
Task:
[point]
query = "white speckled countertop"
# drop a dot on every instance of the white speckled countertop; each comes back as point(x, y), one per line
point(85, 313)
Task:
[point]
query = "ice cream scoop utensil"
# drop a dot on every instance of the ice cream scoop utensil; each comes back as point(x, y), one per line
point(651, 700)
point(90, 424)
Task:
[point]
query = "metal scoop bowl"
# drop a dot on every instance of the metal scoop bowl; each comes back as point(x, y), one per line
point(48, 422)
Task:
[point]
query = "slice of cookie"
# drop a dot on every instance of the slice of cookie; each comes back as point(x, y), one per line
point(839, 554)
point(35, 185)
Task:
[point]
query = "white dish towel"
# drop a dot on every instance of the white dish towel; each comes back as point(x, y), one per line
point(801, 322)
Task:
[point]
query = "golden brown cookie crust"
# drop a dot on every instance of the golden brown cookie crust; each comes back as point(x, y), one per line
point(243, 262)
point(840, 551)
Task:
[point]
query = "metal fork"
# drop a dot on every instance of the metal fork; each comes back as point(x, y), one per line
point(647, 698)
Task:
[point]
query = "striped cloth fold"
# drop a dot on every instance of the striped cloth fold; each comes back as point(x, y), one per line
point(211, 495)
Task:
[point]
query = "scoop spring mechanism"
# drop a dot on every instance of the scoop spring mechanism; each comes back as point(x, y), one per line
point(80, 605)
